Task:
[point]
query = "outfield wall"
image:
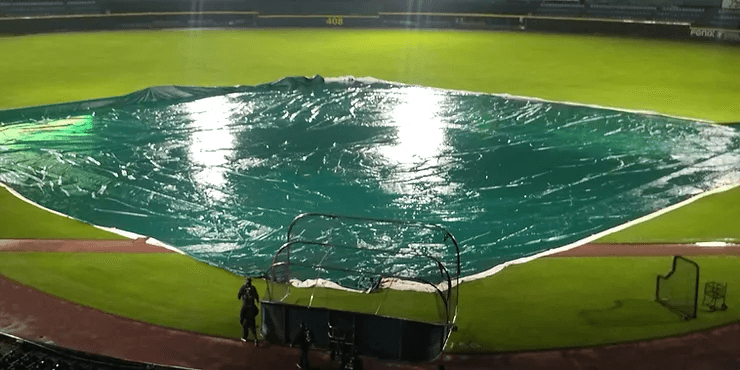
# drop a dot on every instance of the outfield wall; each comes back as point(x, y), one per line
point(403, 14)
point(250, 19)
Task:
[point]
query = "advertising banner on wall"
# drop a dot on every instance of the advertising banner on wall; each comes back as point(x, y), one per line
point(716, 33)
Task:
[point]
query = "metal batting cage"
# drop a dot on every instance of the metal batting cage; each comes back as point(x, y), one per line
point(381, 288)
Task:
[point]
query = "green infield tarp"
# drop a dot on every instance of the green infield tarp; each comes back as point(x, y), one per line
point(220, 172)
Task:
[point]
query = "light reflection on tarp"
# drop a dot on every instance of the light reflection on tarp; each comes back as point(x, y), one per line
point(211, 142)
point(44, 130)
point(219, 173)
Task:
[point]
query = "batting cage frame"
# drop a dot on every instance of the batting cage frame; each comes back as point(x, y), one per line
point(679, 289)
point(364, 286)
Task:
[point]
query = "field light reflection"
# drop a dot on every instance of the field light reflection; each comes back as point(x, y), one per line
point(212, 142)
point(420, 134)
point(415, 154)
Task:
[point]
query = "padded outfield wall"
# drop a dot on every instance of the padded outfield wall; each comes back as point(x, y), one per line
point(251, 19)
point(465, 14)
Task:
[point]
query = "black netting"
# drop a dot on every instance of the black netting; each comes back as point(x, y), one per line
point(679, 289)
point(380, 267)
point(396, 237)
point(316, 275)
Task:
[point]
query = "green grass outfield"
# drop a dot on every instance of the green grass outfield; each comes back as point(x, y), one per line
point(699, 80)
point(543, 304)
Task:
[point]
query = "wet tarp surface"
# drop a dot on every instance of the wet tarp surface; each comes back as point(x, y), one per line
point(220, 172)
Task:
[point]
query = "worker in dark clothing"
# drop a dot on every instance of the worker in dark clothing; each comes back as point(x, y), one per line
point(304, 338)
point(250, 298)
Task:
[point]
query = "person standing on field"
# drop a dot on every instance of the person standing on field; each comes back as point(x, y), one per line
point(250, 298)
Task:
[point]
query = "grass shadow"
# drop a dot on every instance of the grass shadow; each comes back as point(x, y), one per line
point(629, 313)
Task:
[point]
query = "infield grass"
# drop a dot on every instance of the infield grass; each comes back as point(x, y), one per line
point(21, 220)
point(167, 289)
point(712, 218)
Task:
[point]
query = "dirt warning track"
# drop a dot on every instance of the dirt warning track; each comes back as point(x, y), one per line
point(63, 245)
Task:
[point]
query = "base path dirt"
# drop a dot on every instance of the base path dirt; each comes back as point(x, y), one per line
point(31, 314)
point(63, 245)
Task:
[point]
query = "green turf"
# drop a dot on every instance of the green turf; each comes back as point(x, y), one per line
point(712, 218)
point(548, 303)
point(20, 220)
point(571, 302)
point(167, 289)
point(688, 79)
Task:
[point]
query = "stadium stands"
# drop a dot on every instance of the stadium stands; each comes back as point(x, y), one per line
point(638, 12)
point(723, 18)
point(675, 13)
point(139, 6)
point(11, 8)
point(319, 7)
point(33, 7)
point(83, 7)
point(460, 6)
point(562, 9)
